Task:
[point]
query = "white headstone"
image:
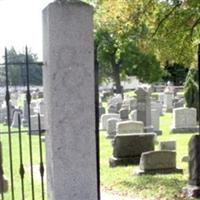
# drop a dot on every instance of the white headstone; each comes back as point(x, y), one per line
point(130, 127)
point(155, 117)
point(111, 129)
point(168, 101)
point(105, 117)
point(184, 120)
point(133, 115)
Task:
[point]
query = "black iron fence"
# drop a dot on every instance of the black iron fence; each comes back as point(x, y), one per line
point(22, 148)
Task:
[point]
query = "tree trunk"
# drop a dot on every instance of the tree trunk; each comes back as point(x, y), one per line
point(116, 74)
point(116, 77)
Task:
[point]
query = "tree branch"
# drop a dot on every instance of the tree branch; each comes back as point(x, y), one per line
point(165, 18)
point(194, 26)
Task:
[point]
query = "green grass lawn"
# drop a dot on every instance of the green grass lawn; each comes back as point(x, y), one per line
point(119, 179)
point(122, 181)
point(26, 162)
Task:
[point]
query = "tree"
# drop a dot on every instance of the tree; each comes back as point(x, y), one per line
point(175, 73)
point(118, 47)
point(17, 73)
point(176, 31)
point(168, 29)
point(191, 90)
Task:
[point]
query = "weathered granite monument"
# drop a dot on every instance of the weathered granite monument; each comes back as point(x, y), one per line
point(144, 108)
point(70, 101)
point(193, 187)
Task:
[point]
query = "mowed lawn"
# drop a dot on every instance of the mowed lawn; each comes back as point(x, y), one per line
point(26, 163)
point(117, 180)
point(122, 181)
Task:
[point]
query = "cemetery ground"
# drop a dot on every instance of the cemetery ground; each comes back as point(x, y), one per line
point(121, 180)
point(26, 163)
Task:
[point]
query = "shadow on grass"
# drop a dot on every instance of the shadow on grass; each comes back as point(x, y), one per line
point(153, 180)
point(157, 186)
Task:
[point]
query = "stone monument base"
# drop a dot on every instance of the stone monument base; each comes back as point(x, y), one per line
point(3, 184)
point(114, 162)
point(191, 191)
point(159, 171)
point(148, 129)
point(168, 110)
point(159, 132)
point(185, 130)
point(110, 136)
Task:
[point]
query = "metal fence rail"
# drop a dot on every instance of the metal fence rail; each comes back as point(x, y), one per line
point(19, 131)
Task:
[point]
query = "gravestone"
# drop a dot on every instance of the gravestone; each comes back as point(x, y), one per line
point(193, 187)
point(168, 101)
point(111, 129)
point(179, 104)
point(105, 117)
point(3, 114)
point(69, 95)
point(112, 109)
point(133, 104)
point(161, 98)
point(158, 106)
point(124, 113)
point(154, 162)
point(34, 95)
point(15, 121)
point(127, 148)
point(25, 111)
point(130, 127)
point(3, 179)
point(155, 117)
point(34, 123)
point(118, 106)
point(144, 108)
point(168, 145)
point(115, 102)
point(102, 111)
point(133, 115)
point(184, 120)
point(41, 107)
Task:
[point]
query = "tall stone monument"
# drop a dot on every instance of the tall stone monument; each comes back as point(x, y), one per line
point(69, 94)
point(193, 187)
point(144, 108)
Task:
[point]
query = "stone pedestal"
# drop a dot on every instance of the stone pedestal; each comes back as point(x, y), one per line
point(184, 120)
point(193, 187)
point(127, 148)
point(3, 180)
point(152, 162)
point(168, 101)
point(69, 93)
point(144, 108)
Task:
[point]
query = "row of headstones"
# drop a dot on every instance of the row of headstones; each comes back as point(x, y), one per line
point(132, 146)
point(35, 108)
point(183, 120)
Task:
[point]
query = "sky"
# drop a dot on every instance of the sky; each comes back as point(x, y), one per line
point(21, 24)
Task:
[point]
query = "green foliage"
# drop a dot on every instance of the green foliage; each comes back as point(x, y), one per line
point(169, 29)
point(114, 51)
point(191, 90)
point(175, 73)
point(17, 73)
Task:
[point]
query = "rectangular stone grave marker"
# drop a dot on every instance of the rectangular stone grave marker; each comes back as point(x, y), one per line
point(127, 148)
point(153, 162)
point(184, 120)
point(130, 127)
